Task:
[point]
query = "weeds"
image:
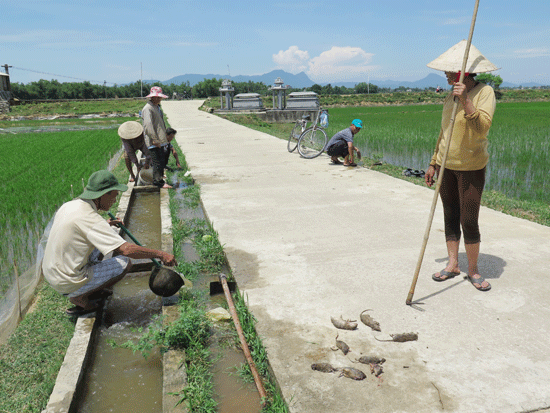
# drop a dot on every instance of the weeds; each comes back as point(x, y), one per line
point(78, 107)
point(31, 359)
point(198, 393)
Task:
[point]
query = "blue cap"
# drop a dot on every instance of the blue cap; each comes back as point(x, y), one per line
point(357, 123)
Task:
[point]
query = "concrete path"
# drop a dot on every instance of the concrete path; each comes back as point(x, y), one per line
point(308, 241)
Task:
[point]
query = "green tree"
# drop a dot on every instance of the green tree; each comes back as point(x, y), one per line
point(363, 87)
point(316, 88)
point(492, 80)
point(207, 88)
point(327, 90)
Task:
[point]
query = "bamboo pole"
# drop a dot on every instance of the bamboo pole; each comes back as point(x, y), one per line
point(18, 291)
point(443, 161)
point(246, 350)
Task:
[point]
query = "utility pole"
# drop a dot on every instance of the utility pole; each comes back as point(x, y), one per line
point(8, 79)
point(105, 88)
point(141, 79)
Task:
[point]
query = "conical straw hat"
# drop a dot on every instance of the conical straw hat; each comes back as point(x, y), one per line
point(451, 60)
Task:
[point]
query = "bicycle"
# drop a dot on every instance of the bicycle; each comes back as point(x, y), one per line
point(313, 140)
point(299, 127)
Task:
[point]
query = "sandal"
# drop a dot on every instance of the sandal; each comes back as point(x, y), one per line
point(446, 274)
point(336, 162)
point(350, 164)
point(77, 311)
point(479, 281)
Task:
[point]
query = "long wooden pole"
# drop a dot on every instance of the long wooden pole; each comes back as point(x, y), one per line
point(17, 290)
point(244, 345)
point(447, 139)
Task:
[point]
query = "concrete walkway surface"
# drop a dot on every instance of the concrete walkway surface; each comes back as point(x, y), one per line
point(307, 241)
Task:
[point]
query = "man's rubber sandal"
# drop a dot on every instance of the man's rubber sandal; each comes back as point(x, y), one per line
point(78, 311)
point(479, 281)
point(447, 274)
point(336, 162)
point(351, 164)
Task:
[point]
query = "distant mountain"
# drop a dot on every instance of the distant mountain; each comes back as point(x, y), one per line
point(432, 80)
point(516, 86)
point(297, 81)
point(301, 80)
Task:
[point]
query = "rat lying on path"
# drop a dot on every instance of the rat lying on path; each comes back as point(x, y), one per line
point(343, 324)
point(401, 338)
point(341, 345)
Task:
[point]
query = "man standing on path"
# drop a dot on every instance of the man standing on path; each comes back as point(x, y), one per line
point(155, 134)
point(341, 144)
point(131, 134)
point(78, 236)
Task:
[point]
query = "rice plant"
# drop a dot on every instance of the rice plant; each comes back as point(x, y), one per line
point(47, 170)
point(519, 143)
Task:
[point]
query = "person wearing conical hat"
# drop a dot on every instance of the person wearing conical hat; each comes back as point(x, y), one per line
point(131, 135)
point(465, 167)
point(155, 133)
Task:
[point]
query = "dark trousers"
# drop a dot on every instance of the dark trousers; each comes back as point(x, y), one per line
point(166, 151)
point(157, 159)
point(339, 149)
point(461, 196)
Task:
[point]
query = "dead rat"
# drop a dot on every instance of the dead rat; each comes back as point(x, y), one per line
point(343, 324)
point(352, 373)
point(341, 345)
point(371, 360)
point(323, 367)
point(376, 369)
point(401, 338)
point(368, 321)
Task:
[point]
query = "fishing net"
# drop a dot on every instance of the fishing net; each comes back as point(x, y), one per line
point(20, 291)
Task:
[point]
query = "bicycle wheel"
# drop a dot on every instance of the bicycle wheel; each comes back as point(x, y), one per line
point(312, 142)
point(294, 136)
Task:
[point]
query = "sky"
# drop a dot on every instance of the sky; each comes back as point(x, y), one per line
point(331, 41)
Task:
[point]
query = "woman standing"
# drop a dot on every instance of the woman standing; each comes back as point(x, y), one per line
point(464, 174)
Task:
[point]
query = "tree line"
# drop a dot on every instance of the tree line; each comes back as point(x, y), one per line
point(53, 89)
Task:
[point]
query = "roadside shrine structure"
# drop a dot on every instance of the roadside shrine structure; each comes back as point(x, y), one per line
point(226, 91)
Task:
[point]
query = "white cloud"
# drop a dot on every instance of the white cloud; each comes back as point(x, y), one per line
point(341, 64)
point(196, 44)
point(456, 21)
point(534, 52)
point(292, 60)
point(34, 36)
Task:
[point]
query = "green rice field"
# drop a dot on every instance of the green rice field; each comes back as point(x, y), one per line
point(519, 142)
point(42, 171)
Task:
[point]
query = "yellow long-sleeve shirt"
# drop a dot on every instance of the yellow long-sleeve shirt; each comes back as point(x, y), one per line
point(468, 151)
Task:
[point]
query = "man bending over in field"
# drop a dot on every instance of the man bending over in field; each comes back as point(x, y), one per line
point(341, 144)
point(131, 134)
point(78, 236)
point(169, 149)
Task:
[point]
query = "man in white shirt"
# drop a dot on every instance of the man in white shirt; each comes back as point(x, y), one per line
point(77, 231)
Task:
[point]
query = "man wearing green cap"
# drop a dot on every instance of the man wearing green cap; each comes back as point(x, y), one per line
point(341, 144)
point(78, 234)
